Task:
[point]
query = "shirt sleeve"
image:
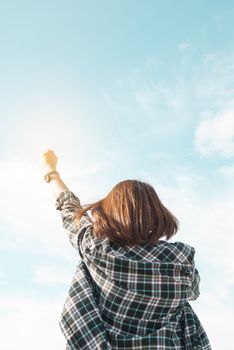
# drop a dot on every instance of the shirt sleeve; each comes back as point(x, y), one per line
point(188, 253)
point(68, 204)
point(195, 291)
point(195, 286)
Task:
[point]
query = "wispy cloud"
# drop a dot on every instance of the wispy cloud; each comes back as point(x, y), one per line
point(213, 81)
point(215, 136)
point(183, 46)
point(227, 171)
point(185, 99)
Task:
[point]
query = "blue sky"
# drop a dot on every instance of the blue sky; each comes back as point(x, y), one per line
point(119, 89)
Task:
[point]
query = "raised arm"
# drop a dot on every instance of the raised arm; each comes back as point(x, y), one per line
point(66, 202)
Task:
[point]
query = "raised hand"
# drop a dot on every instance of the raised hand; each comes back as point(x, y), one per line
point(49, 160)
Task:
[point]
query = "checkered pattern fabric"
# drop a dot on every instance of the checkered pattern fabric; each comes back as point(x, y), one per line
point(128, 298)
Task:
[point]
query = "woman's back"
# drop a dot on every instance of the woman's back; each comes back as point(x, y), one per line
point(131, 297)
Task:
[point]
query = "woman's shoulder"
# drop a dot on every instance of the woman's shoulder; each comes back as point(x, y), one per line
point(183, 251)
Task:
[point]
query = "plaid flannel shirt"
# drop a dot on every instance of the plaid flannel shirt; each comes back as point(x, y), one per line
point(131, 297)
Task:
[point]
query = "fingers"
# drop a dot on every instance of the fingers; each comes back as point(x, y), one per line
point(49, 151)
point(49, 159)
point(49, 154)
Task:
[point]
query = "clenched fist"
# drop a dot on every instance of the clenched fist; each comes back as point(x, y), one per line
point(49, 160)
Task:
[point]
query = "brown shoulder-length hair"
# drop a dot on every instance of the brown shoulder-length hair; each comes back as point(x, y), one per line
point(130, 214)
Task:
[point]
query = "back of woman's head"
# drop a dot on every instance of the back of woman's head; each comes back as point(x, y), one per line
point(130, 214)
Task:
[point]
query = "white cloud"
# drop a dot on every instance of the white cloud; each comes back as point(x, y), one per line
point(215, 136)
point(27, 323)
point(51, 274)
point(216, 318)
point(227, 171)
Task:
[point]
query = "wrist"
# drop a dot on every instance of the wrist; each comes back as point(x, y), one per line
point(49, 168)
point(51, 175)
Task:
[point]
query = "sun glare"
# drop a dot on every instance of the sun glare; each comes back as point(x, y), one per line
point(38, 134)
